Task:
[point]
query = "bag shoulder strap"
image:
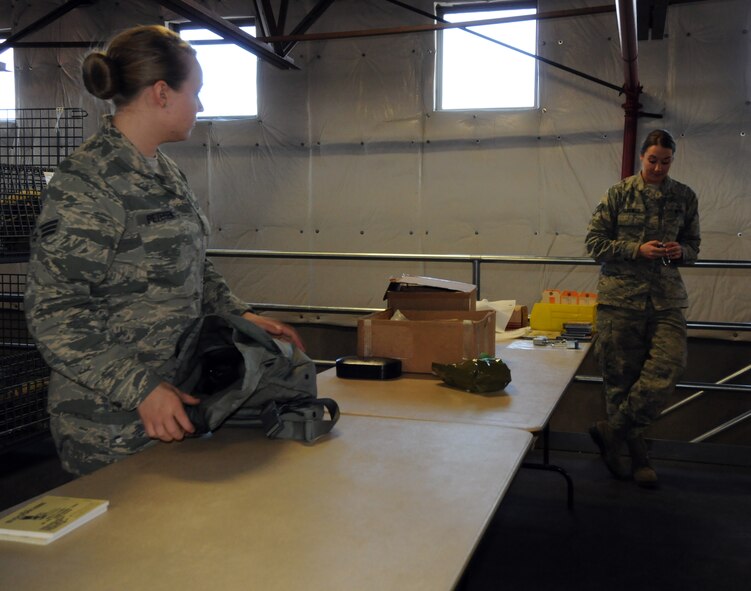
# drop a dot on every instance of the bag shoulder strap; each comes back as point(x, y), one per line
point(300, 420)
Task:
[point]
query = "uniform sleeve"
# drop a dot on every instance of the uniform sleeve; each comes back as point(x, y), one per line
point(73, 246)
point(217, 296)
point(690, 236)
point(602, 240)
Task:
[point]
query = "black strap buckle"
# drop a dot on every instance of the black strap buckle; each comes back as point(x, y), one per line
point(271, 421)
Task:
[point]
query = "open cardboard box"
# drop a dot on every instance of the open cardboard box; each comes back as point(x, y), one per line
point(414, 292)
point(519, 318)
point(427, 336)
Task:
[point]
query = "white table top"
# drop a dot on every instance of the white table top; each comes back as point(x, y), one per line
point(539, 376)
point(381, 504)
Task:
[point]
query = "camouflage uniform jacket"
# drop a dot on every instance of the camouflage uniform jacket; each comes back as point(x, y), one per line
point(630, 214)
point(117, 273)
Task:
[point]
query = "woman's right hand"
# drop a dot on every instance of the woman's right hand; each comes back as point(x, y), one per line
point(654, 249)
point(163, 414)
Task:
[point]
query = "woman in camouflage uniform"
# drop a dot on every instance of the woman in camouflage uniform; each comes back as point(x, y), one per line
point(640, 232)
point(118, 268)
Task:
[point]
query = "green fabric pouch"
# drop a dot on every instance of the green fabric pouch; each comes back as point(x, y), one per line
point(486, 374)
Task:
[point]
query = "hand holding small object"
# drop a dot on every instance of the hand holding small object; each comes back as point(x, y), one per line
point(667, 251)
point(163, 414)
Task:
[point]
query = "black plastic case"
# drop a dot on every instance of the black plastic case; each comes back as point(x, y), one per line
point(368, 368)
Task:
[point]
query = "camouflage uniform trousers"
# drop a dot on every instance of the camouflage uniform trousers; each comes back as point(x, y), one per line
point(642, 355)
point(85, 445)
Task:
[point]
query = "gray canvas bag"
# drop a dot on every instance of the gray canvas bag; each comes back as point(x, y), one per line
point(246, 378)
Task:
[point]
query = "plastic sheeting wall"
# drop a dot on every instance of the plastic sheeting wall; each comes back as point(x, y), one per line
point(348, 155)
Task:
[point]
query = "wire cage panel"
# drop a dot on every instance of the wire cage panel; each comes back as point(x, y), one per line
point(24, 376)
point(32, 144)
point(20, 203)
point(39, 137)
point(23, 398)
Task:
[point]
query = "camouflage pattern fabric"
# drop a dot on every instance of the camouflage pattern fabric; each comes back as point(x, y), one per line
point(642, 355)
point(117, 273)
point(641, 328)
point(630, 214)
point(85, 446)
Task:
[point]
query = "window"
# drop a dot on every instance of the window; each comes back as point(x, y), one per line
point(229, 74)
point(7, 80)
point(473, 72)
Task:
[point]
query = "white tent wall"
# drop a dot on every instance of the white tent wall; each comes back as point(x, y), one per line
point(348, 154)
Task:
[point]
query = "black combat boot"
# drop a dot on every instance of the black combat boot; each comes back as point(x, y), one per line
point(610, 442)
point(644, 474)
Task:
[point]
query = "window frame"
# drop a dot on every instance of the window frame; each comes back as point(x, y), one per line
point(11, 70)
point(249, 21)
point(444, 8)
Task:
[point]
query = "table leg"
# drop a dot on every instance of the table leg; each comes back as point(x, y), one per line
point(546, 465)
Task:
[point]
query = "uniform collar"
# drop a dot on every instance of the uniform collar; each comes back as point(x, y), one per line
point(131, 158)
point(127, 152)
point(170, 179)
point(664, 187)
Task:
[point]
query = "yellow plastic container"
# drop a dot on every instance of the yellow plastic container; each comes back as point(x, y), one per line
point(550, 317)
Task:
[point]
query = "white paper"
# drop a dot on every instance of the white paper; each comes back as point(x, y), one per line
point(503, 311)
point(516, 333)
point(446, 284)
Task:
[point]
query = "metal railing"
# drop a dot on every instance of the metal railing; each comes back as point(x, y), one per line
point(476, 262)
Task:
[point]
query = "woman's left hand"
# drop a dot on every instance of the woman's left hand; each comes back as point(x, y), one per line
point(673, 250)
point(276, 329)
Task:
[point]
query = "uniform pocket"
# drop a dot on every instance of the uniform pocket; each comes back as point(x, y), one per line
point(631, 218)
point(126, 274)
point(673, 222)
point(173, 242)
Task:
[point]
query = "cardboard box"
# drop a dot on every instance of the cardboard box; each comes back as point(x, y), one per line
point(519, 318)
point(443, 336)
point(432, 300)
point(411, 292)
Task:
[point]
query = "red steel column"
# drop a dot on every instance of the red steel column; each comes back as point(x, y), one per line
point(626, 14)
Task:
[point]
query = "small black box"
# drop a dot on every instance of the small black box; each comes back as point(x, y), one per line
point(368, 368)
